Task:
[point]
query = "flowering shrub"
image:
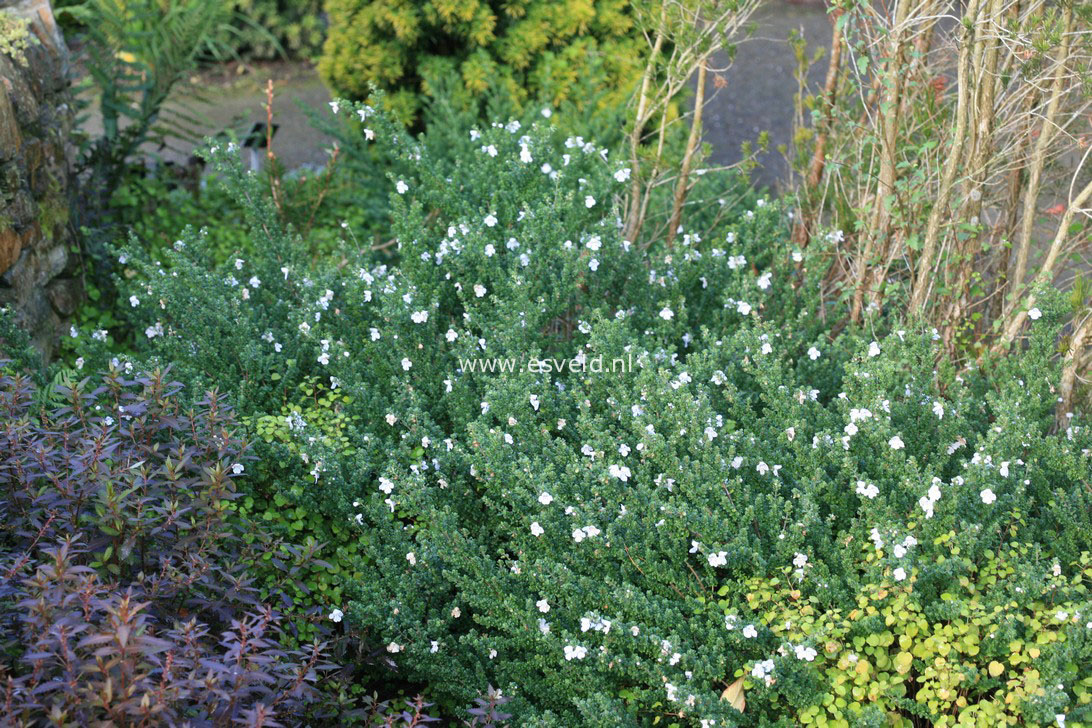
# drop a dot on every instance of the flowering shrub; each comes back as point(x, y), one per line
point(556, 462)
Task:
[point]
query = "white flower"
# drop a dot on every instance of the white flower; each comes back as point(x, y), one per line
point(899, 574)
point(800, 560)
point(336, 615)
point(79, 363)
point(718, 559)
point(490, 220)
point(525, 154)
point(813, 353)
point(762, 670)
point(537, 530)
point(324, 358)
point(419, 317)
point(1034, 314)
point(743, 308)
point(412, 558)
point(401, 187)
point(134, 301)
point(546, 112)
point(896, 443)
point(334, 106)
point(543, 605)
point(545, 498)
point(763, 281)
point(873, 349)
point(480, 290)
point(867, 490)
point(589, 202)
point(987, 496)
point(575, 652)
point(386, 485)
point(406, 364)
point(394, 647)
point(808, 654)
point(750, 632)
point(619, 471)
point(622, 175)
point(938, 409)
point(534, 401)
point(667, 314)
point(237, 468)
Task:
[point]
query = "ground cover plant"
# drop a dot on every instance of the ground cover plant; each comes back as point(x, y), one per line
point(633, 548)
point(541, 420)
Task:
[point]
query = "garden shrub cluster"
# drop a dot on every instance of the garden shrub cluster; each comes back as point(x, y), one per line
point(758, 522)
point(125, 576)
point(534, 51)
point(271, 28)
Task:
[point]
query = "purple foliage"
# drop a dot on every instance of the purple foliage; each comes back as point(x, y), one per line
point(124, 593)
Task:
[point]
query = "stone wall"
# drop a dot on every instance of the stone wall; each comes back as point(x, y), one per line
point(37, 266)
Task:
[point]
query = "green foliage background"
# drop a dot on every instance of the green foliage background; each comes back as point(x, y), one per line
point(535, 51)
point(374, 439)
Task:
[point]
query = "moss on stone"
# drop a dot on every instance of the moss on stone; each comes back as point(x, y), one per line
point(15, 37)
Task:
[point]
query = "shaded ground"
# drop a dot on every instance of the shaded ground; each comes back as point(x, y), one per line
point(759, 97)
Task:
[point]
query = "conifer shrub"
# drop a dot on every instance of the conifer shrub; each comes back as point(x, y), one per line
point(508, 507)
point(272, 28)
point(536, 51)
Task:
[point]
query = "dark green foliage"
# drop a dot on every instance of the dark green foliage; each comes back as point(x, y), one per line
point(626, 511)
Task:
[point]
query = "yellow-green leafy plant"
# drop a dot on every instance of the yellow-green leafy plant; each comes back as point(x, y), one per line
point(533, 50)
point(996, 646)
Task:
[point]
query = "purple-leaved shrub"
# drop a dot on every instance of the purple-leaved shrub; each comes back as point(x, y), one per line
point(126, 597)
